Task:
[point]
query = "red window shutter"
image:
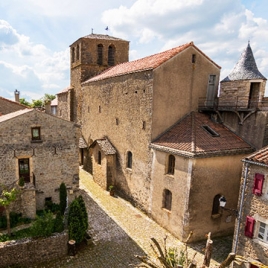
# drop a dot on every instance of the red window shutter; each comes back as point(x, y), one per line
point(249, 228)
point(258, 183)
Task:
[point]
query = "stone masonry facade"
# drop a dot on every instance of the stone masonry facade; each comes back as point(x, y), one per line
point(50, 161)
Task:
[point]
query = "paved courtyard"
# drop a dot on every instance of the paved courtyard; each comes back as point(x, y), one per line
point(121, 231)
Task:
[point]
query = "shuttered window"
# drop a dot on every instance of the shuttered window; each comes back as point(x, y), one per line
point(258, 184)
point(249, 228)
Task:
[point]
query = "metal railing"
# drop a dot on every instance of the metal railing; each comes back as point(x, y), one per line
point(232, 104)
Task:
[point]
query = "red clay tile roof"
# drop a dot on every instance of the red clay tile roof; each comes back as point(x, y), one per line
point(261, 156)
point(147, 63)
point(14, 102)
point(65, 90)
point(189, 138)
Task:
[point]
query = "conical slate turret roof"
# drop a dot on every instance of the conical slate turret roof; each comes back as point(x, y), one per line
point(245, 68)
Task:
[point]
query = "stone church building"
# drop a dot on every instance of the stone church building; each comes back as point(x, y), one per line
point(156, 130)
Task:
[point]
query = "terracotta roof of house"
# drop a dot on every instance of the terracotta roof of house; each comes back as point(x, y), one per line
point(105, 146)
point(54, 102)
point(189, 137)
point(246, 68)
point(144, 64)
point(14, 102)
point(65, 90)
point(261, 156)
point(14, 114)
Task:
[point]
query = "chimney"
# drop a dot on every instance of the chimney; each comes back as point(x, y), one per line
point(48, 107)
point(17, 96)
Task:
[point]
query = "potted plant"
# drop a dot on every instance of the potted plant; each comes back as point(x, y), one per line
point(112, 190)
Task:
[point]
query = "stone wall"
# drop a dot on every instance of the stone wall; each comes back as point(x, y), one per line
point(8, 106)
point(256, 207)
point(52, 160)
point(26, 252)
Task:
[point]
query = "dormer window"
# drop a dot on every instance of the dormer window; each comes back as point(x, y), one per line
point(36, 135)
point(210, 131)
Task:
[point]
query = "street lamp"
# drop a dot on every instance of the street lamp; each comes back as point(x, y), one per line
point(223, 202)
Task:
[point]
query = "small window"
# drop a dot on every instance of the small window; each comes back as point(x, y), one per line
point(171, 164)
point(143, 125)
point(167, 199)
point(77, 52)
point(111, 54)
point(216, 205)
point(249, 227)
point(88, 109)
point(99, 157)
point(210, 131)
point(117, 121)
point(24, 169)
point(258, 184)
point(99, 109)
point(212, 79)
point(36, 135)
point(73, 54)
point(100, 54)
point(129, 160)
point(193, 58)
point(263, 232)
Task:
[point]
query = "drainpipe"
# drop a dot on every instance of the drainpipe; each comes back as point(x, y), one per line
point(240, 207)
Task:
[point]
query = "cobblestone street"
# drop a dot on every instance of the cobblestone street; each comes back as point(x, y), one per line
point(121, 231)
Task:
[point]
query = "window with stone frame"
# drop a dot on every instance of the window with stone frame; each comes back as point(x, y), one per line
point(263, 232)
point(36, 133)
point(171, 164)
point(167, 199)
point(77, 52)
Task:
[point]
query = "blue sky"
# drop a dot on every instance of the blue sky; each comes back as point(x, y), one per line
point(35, 34)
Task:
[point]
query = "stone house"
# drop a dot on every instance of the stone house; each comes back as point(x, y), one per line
point(9, 106)
point(125, 108)
point(194, 163)
point(251, 231)
point(43, 150)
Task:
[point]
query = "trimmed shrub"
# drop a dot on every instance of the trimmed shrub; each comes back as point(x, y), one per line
point(58, 223)
point(76, 221)
point(43, 226)
point(63, 198)
point(83, 211)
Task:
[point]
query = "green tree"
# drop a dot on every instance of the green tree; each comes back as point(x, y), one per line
point(6, 199)
point(48, 97)
point(25, 102)
point(76, 221)
point(63, 198)
point(83, 211)
point(58, 223)
point(37, 103)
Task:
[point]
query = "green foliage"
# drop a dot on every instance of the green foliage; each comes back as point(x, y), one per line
point(48, 97)
point(25, 102)
point(21, 182)
point(3, 222)
point(83, 211)
point(8, 197)
point(37, 103)
point(16, 235)
point(50, 206)
point(43, 225)
point(76, 222)
point(63, 198)
point(58, 223)
point(172, 257)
